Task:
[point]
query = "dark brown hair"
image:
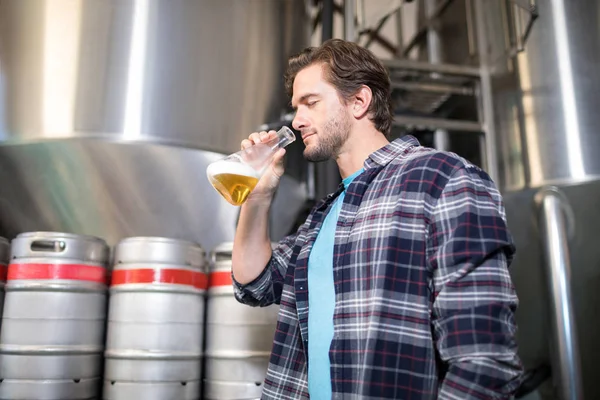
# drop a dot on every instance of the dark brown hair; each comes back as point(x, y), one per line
point(348, 66)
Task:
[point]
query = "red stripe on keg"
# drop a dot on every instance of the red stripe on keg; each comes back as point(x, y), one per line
point(174, 276)
point(220, 279)
point(75, 272)
point(3, 272)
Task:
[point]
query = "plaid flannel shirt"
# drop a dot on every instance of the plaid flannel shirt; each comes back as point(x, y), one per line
point(424, 301)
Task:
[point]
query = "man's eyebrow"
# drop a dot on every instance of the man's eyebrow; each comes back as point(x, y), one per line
point(302, 99)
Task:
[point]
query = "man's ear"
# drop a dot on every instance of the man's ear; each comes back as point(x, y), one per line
point(361, 101)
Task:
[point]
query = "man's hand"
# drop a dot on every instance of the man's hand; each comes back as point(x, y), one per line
point(268, 183)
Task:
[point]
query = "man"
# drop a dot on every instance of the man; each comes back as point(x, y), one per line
point(397, 285)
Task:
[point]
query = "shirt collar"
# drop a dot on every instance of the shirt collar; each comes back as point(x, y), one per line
point(346, 181)
point(381, 157)
point(393, 150)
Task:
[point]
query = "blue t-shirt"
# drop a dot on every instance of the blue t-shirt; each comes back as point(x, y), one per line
point(321, 301)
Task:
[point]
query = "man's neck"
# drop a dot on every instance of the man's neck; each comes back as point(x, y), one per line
point(357, 148)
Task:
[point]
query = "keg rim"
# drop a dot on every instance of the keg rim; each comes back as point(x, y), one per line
point(4, 240)
point(181, 252)
point(159, 239)
point(227, 247)
point(60, 235)
point(212, 354)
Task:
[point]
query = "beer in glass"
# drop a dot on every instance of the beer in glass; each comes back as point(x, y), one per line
point(236, 175)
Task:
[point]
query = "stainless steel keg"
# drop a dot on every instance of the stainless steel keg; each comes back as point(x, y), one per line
point(224, 390)
point(155, 320)
point(52, 336)
point(4, 255)
point(239, 338)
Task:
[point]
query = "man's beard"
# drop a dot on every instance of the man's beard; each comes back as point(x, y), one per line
point(330, 140)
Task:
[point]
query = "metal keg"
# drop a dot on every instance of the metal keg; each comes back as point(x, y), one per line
point(4, 255)
point(155, 320)
point(239, 338)
point(52, 334)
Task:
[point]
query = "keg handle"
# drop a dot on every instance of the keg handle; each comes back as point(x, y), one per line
point(218, 256)
point(54, 246)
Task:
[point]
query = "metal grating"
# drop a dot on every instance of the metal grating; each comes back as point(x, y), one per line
point(422, 92)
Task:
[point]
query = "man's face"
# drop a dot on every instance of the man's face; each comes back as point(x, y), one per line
point(321, 116)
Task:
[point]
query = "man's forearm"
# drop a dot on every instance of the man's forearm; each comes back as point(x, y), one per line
point(252, 245)
point(481, 378)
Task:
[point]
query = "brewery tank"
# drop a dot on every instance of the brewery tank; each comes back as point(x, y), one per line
point(541, 58)
point(110, 111)
point(546, 99)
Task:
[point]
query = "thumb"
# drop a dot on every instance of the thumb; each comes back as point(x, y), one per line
point(277, 163)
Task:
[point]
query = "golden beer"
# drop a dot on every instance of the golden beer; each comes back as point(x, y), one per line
point(233, 181)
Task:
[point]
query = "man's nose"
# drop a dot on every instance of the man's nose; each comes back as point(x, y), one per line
point(299, 121)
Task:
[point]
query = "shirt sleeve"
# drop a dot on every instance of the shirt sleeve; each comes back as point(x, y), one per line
point(267, 287)
point(470, 249)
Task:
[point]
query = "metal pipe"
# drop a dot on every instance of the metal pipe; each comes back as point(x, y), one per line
point(422, 33)
point(327, 20)
point(434, 88)
point(470, 33)
point(437, 123)
point(399, 33)
point(361, 15)
point(434, 47)
point(554, 229)
point(349, 15)
point(487, 103)
point(458, 70)
point(441, 139)
point(323, 178)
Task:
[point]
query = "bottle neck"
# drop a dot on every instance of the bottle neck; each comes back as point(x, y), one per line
point(284, 137)
point(281, 142)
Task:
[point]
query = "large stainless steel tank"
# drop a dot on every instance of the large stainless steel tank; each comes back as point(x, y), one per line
point(193, 72)
point(547, 98)
point(546, 102)
point(110, 111)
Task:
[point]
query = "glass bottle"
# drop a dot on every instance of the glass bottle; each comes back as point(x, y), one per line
point(236, 175)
